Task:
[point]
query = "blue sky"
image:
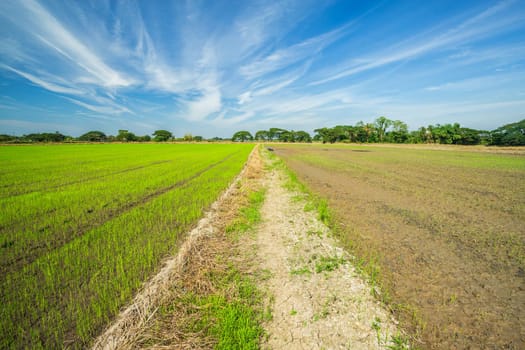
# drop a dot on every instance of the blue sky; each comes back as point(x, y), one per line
point(214, 67)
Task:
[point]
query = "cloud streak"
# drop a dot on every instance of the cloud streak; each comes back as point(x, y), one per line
point(474, 28)
point(56, 36)
point(285, 57)
point(61, 89)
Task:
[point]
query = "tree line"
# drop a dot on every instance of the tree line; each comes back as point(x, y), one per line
point(395, 131)
point(381, 130)
point(99, 136)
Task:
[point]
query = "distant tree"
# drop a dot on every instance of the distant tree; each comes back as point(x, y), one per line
point(341, 132)
point(399, 132)
point(422, 135)
point(365, 132)
point(287, 136)
point(162, 135)
point(469, 137)
point(7, 138)
point(275, 133)
point(382, 124)
point(445, 134)
point(326, 135)
point(262, 135)
point(198, 138)
point(44, 137)
point(125, 136)
point(485, 137)
point(93, 136)
point(188, 137)
point(145, 138)
point(242, 136)
point(302, 136)
point(509, 135)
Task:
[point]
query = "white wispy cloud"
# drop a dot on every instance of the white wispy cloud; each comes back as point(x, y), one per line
point(476, 27)
point(52, 33)
point(106, 108)
point(13, 51)
point(222, 121)
point(208, 103)
point(51, 86)
point(285, 57)
point(273, 85)
point(253, 30)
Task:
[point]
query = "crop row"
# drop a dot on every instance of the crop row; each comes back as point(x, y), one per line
point(101, 240)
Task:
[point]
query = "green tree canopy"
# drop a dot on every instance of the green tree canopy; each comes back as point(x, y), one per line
point(275, 133)
point(242, 136)
point(399, 132)
point(262, 135)
point(145, 138)
point(509, 135)
point(162, 135)
point(326, 135)
point(7, 138)
point(125, 135)
point(302, 136)
point(93, 136)
point(381, 125)
point(45, 137)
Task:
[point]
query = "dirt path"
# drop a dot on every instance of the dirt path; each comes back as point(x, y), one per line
point(318, 301)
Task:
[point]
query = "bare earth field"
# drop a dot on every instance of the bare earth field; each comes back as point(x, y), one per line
point(445, 226)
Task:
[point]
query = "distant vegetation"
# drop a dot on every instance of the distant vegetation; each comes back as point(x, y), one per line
point(396, 131)
point(99, 136)
point(380, 131)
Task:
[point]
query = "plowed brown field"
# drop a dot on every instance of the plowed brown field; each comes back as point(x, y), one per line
point(446, 226)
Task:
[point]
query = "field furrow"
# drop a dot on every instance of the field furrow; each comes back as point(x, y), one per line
point(66, 290)
point(29, 251)
point(84, 180)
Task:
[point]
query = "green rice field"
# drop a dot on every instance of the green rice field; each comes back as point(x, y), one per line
point(83, 226)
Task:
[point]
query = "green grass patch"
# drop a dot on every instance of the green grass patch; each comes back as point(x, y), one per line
point(233, 314)
point(328, 263)
point(222, 307)
point(323, 212)
point(233, 322)
point(249, 215)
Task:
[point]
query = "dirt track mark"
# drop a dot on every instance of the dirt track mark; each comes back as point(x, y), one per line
point(318, 300)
